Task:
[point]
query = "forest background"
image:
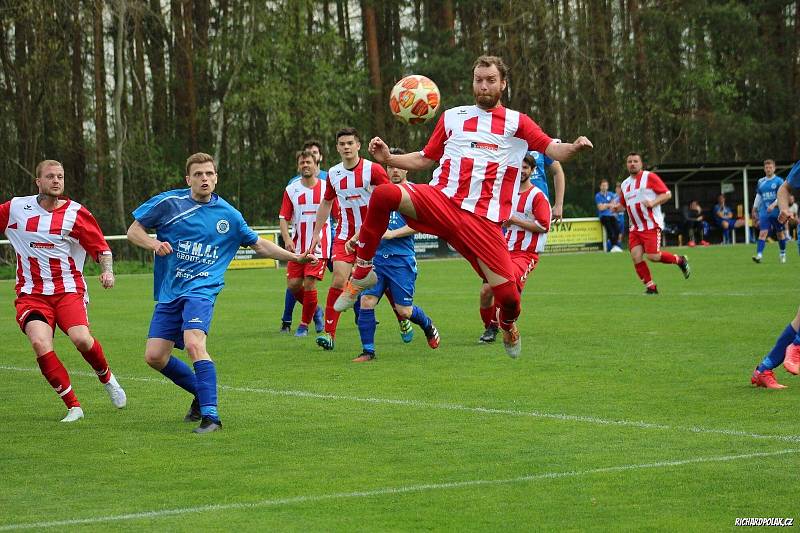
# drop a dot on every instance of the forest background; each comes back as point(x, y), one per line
point(121, 91)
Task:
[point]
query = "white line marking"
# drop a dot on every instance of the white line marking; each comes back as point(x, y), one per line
point(386, 491)
point(639, 424)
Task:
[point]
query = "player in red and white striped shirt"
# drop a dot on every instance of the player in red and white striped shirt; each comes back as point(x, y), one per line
point(526, 235)
point(51, 236)
point(479, 149)
point(643, 193)
point(351, 182)
point(301, 200)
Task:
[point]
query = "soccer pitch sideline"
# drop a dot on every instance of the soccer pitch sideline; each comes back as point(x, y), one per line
point(623, 412)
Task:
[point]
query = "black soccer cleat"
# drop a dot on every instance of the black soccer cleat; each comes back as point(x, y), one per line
point(489, 336)
point(651, 290)
point(756, 259)
point(207, 425)
point(193, 415)
point(286, 328)
point(365, 357)
point(683, 264)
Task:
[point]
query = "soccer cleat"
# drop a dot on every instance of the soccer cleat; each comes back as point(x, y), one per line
point(350, 293)
point(489, 336)
point(756, 258)
point(765, 379)
point(651, 290)
point(783, 258)
point(432, 334)
point(319, 320)
point(286, 328)
point(73, 414)
point(365, 357)
point(691, 244)
point(406, 330)
point(207, 425)
point(792, 361)
point(302, 331)
point(325, 341)
point(616, 249)
point(193, 414)
point(512, 341)
point(117, 394)
point(683, 264)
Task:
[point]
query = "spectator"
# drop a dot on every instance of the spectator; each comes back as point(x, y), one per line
point(693, 223)
point(607, 202)
point(723, 217)
point(620, 217)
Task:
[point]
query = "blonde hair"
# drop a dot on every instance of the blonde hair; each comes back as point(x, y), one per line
point(198, 158)
point(488, 61)
point(47, 163)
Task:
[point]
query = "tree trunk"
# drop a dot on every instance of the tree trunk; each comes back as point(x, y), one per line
point(76, 160)
point(119, 125)
point(100, 113)
point(156, 34)
point(374, 66)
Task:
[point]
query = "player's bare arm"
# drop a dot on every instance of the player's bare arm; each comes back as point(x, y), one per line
point(106, 261)
point(559, 180)
point(399, 233)
point(350, 245)
point(566, 151)
point(265, 248)
point(784, 191)
point(323, 213)
point(137, 234)
point(658, 200)
point(530, 225)
point(288, 243)
point(410, 161)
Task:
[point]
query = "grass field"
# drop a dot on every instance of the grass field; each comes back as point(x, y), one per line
point(625, 412)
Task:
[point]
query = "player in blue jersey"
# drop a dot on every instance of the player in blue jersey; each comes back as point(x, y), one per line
point(787, 347)
point(197, 236)
point(539, 179)
point(766, 211)
point(607, 202)
point(315, 147)
point(395, 264)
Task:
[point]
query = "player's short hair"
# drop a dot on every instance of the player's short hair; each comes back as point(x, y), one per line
point(396, 151)
point(305, 154)
point(313, 142)
point(47, 163)
point(348, 131)
point(530, 160)
point(604, 179)
point(769, 161)
point(488, 61)
point(634, 153)
point(199, 158)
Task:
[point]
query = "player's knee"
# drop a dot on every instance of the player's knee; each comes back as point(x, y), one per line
point(404, 311)
point(196, 350)
point(654, 257)
point(82, 342)
point(507, 297)
point(41, 346)
point(386, 195)
point(156, 359)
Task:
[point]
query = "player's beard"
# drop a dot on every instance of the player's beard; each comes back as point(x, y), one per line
point(487, 100)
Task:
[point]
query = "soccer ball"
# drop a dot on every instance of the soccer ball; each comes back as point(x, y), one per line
point(414, 99)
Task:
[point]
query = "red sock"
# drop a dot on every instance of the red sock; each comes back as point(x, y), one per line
point(331, 315)
point(384, 199)
point(643, 272)
point(55, 374)
point(506, 297)
point(97, 360)
point(489, 316)
point(309, 306)
point(669, 258)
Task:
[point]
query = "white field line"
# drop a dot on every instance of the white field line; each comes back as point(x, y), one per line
point(386, 491)
point(639, 424)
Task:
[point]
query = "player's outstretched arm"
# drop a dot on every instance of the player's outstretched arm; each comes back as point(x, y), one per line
point(410, 161)
point(566, 151)
point(106, 261)
point(137, 234)
point(659, 200)
point(399, 233)
point(265, 248)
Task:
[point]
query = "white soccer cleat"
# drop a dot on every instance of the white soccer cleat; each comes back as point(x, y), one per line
point(782, 258)
point(351, 291)
point(73, 414)
point(117, 394)
point(512, 341)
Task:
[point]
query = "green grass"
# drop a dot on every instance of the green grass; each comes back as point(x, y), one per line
point(624, 412)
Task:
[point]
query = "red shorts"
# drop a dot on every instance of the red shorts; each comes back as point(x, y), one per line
point(341, 254)
point(62, 310)
point(524, 264)
point(307, 270)
point(649, 239)
point(474, 237)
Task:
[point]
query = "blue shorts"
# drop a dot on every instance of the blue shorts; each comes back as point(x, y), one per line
point(767, 223)
point(398, 275)
point(171, 319)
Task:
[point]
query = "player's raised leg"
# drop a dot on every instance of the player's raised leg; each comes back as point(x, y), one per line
point(792, 352)
point(763, 375)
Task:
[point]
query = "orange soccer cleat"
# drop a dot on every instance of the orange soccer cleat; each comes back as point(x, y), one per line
point(792, 361)
point(765, 379)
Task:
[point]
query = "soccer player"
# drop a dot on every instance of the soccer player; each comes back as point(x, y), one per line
point(351, 183)
point(52, 236)
point(539, 179)
point(606, 202)
point(301, 200)
point(315, 147)
point(787, 347)
point(197, 236)
point(526, 235)
point(643, 193)
point(396, 268)
point(480, 150)
point(764, 209)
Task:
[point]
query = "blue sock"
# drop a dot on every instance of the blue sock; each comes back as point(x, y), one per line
point(180, 374)
point(419, 318)
point(206, 374)
point(357, 309)
point(760, 246)
point(782, 246)
point(288, 306)
point(778, 352)
point(366, 328)
point(726, 236)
